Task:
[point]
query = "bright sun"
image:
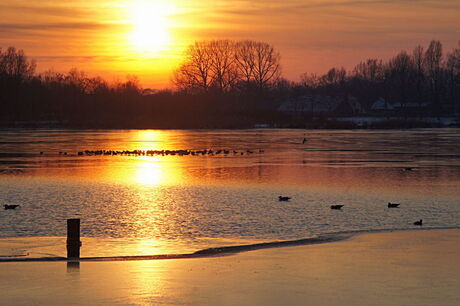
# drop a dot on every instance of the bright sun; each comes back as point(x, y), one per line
point(150, 25)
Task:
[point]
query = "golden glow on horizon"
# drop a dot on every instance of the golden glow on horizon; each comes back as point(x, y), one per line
point(113, 38)
point(150, 140)
point(151, 26)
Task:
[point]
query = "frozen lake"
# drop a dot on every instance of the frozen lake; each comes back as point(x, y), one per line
point(152, 204)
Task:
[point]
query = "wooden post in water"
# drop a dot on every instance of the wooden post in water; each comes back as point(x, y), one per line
point(73, 238)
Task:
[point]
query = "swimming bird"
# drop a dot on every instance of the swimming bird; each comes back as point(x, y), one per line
point(408, 169)
point(390, 205)
point(336, 206)
point(13, 206)
point(281, 198)
point(418, 222)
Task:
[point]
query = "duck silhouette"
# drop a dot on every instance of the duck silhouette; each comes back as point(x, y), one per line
point(283, 199)
point(336, 206)
point(393, 205)
point(418, 222)
point(13, 206)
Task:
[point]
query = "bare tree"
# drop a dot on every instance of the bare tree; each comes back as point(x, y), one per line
point(334, 77)
point(432, 63)
point(51, 78)
point(453, 71)
point(369, 70)
point(401, 71)
point(15, 71)
point(310, 80)
point(15, 64)
point(222, 54)
point(245, 60)
point(195, 71)
point(131, 86)
point(418, 64)
point(77, 79)
point(97, 86)
point(223, 63)
point(267, 67)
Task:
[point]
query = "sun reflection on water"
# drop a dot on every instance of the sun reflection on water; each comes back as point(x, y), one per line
point(150, 173)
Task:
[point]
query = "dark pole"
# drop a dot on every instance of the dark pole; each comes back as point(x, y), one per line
point(73, 238)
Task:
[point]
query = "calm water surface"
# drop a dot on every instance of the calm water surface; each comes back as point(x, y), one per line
point(133, 205)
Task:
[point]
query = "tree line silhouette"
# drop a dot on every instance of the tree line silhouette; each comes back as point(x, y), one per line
point(224, 84)
point(421, 77)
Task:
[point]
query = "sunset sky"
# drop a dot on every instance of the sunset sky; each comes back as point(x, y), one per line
point(114, 38)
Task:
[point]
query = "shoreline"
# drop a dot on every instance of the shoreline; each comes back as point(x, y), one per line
point(393, 268)
point(326, 238)
point(368, 128)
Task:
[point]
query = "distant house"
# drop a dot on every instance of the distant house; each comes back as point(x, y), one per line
point(309, 104)
point(326, 105)
point(380, 105)
point(349, 107)
point(411, 106)
point(149, 91)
